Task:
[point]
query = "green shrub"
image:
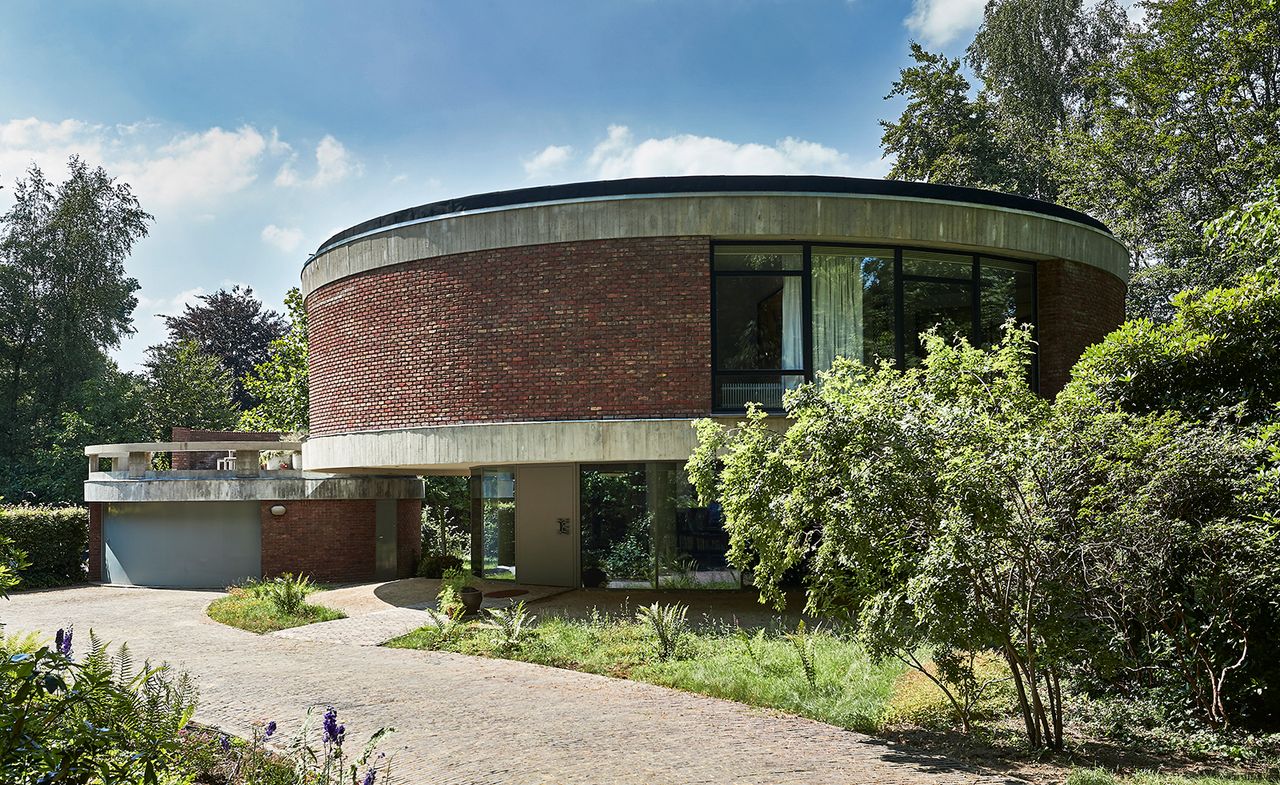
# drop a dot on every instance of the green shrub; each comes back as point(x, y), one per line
point(54, 538)
point(98, 720)
point(286, 593)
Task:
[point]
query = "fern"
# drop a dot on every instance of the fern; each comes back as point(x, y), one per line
point(802, 642)
point(511, 623)
point(668, 625)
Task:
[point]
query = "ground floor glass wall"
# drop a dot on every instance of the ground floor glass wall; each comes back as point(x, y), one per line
point(493, 532)
point(641, 527)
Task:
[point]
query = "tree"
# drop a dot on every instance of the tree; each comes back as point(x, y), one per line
point(110, 408)
point(280, 384)
point(1184, 123)
point(911, 498)
point(65, 298)
point(232, 326)
point(942, 135)
point(1031, 58)
point(949, 509)
point(1155, 129)
point(187, 387)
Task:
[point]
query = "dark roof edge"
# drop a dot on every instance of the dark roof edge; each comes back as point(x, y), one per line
point(652, 186)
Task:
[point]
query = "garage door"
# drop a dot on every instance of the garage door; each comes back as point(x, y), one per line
point(181, 544)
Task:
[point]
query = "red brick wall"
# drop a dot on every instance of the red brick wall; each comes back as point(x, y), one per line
point(209, 460)
point(408, 536)
point(327, 540)
point(1077, 305)
point(95, 541)
point(585, 330)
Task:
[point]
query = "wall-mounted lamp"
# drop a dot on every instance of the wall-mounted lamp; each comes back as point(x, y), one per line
point(277, 510)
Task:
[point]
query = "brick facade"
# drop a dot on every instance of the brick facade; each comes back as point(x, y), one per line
point(583, 330)
point(209, 460)
point(95, 541)
point(573, 331)
point(1077, 305)
point(332, 541)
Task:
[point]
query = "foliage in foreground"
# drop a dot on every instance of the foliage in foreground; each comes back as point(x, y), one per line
point(273, 756)
point(97, 720)
point(271, 605)
point(949, 508)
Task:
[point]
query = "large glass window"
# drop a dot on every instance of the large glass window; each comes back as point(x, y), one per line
point(759, 324)
point(493, 529)
point(642, 528)
point(782, 313)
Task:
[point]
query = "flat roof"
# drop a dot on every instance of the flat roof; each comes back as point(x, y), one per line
point(712, 184)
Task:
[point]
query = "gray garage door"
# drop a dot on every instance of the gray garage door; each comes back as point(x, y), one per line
point(181, 544)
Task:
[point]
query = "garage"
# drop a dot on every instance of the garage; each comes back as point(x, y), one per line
point(181, 544)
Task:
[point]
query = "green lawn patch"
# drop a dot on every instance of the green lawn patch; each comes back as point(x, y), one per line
point(765, 670)
point(243, 610)
point(1104, 777)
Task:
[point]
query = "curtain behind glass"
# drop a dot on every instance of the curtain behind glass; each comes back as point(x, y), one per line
point(837, 308)
point(793, 323)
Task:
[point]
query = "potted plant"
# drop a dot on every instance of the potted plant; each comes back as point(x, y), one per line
point(471, 596)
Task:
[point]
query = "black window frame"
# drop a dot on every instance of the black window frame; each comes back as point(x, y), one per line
point(973, 281)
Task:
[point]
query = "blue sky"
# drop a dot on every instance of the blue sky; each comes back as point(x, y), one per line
point(252, 131)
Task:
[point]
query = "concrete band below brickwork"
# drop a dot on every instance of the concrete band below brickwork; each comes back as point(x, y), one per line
point(457, 448)
point(117, 487)
point(837, 218)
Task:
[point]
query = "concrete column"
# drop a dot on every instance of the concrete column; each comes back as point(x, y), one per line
point(139, 463)
point(247, 463)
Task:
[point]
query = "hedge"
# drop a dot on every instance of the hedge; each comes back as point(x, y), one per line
point(54, 538)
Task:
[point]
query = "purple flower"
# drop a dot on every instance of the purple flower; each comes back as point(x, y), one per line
point(226, 744)
point(369, 777)
point(333, 732)
point(271, 728)
point(62, 641)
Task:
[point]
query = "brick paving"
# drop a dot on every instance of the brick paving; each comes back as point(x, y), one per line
point(472, 720)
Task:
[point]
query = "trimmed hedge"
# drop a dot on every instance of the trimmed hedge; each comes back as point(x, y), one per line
point(54, 538)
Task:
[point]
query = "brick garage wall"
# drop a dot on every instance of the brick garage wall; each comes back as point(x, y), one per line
point(95, 541)
point(1077, 305)
point(585, 330)
point(408, 537)
point(209, 460)
point(327, 540)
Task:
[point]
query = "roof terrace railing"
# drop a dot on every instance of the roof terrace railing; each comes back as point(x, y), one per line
point(137, 456)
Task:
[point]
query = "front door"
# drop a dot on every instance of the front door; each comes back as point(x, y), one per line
point(546, 525)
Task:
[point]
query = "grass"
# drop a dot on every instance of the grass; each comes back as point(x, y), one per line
point(848, 689)
point(1104, 777)
point(242, 609)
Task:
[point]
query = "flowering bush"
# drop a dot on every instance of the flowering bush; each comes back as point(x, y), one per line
point(266, 758)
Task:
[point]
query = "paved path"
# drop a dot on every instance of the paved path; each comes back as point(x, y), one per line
point(472, 720)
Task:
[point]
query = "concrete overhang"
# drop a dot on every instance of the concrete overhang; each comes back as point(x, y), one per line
point(906, 214)
point(456, 449)
point(201, 486)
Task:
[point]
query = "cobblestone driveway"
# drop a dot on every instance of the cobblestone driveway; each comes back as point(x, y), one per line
point(470, 720)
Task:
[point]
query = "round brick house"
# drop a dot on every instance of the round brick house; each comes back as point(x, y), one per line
point(555, 343)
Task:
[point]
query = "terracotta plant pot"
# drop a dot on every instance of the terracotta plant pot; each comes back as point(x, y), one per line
point(471, 598)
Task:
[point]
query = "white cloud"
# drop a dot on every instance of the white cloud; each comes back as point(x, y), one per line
point(166, 170)
point(939, 22)
point(334, 163)
point(196, 167)
point(287, 239)
point(551, 158)
point(620, 155)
